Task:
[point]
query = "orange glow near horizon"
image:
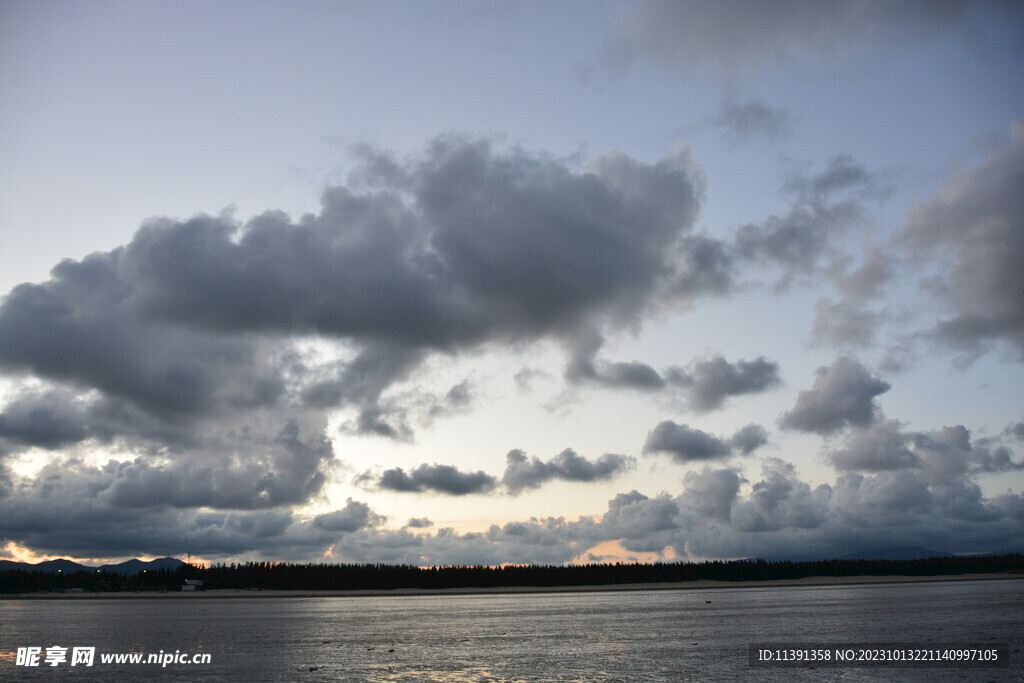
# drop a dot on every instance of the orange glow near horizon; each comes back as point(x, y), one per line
point(608, 551)
point(612, 551)
point(19, 553)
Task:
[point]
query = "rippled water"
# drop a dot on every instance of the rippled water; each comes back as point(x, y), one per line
point(621, 636)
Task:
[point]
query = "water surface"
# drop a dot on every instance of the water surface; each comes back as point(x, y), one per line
point(613, 636)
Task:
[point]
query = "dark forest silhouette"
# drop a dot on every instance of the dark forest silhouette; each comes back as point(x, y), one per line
point(285, 576)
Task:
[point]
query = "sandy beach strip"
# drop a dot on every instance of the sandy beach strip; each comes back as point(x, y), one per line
point(231, 593)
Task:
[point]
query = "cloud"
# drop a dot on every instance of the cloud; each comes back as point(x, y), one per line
point(583, 366)
point(419, 523)
point(717, 513)
point(938, 455)
point(368, 374)
point(742, 121)
point(539, 541)
point(65, 512)
point(868, 280)
point(437, 478)
point(181, 355)
point(353, 517)
point(267, 467)
point(736, 36)
point(844, 324)
point(45, 419)
point(842, 395)
point(749, 438)
point(393, 416)
point(851, 323)
point(522, 472)
point(707, 268)
point(974, 228)
point(708, 382)
point(184, 353)
point(1016, 430)
point(641, 523)
point(711, 494)
point(877, 448)
point(462, 245)
point(75, 329)
point(686, 444)
point(827, 206)
point(524, 378)
point(779, 500)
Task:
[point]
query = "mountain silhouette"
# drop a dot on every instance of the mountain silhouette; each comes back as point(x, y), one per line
point(127, 568)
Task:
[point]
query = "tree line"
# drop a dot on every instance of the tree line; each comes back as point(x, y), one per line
point(290, 576)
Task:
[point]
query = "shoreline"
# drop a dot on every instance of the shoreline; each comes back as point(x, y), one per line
point(702, 584)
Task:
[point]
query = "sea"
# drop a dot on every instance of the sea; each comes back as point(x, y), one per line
point(656, 635)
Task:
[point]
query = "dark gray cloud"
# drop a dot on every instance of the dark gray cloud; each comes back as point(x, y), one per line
point(458, 397)
point(540, 541)
point(687, 444)
point(1016, 430)
point(181, 352)
point(781, 515)
point(394, 416)
point(419, 523)
point(935, 502)
point(842, 395)
point(868, 280)
point(852, 322)
point(707, 268)
point(633, 374)
point(879, 447)
point(827, 206)
point(616, 374)
point(463, 245)
point(974, 228)
point(643, 524)
point(353, 517)
point(706, 383)
point(711, 494)
point(584, 366)
point(175, 353)
point(362, 381)
point(778, 501)
point(45, 419)
point(845, 324)
point(267, 466)
point(742, 121)
point(64, 511)
point(739, 36)
point(436, 478)
point(709, 382)
point(938, 455)
point(999, 459)
point(78, 329)
point(523, 472)
point(748, 439)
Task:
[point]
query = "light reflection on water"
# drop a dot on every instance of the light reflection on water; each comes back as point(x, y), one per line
point(623, 636)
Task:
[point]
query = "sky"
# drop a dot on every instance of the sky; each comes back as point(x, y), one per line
point(510, 282)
